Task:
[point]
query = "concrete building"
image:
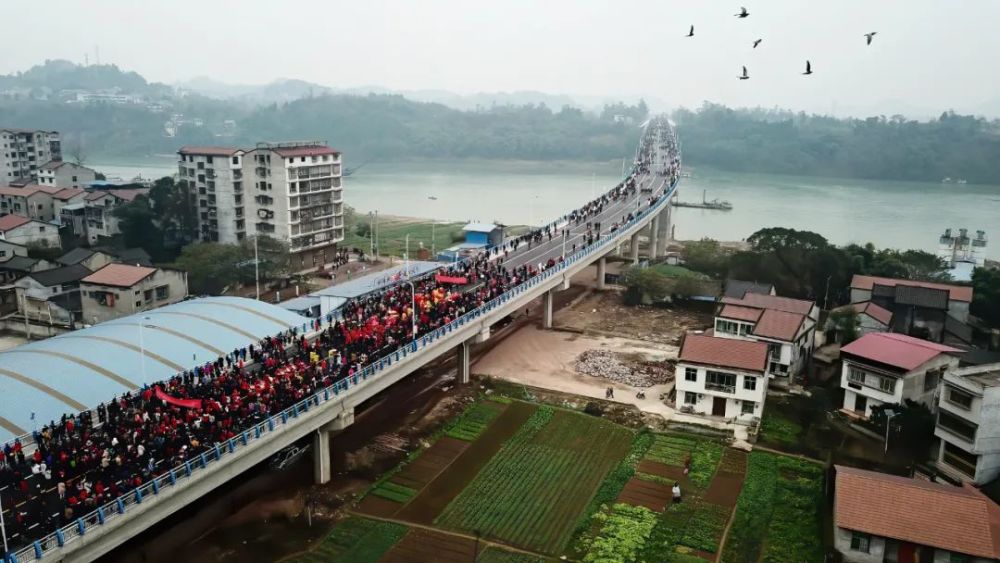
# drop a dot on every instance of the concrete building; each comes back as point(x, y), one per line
point(51, 295)
point(23, 151)
point(117, 290)
point(933, 311)
point(92, 216)
point(871, 317)
point(32, 201)
point(9, 249)
point(722, 377)
point(884, 367)
point(62, 174)
point(737, 289)
point(288, 191)
point(483, 234)
point(879, 518)
point(25, 231)
point(787, 326)
point(968, 423)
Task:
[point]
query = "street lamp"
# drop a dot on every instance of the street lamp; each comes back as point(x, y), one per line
point(888, 419)
point(413, 308)
point(142, 348)
point(3, 529)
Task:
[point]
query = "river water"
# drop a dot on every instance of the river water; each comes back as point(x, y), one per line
point(889, 214)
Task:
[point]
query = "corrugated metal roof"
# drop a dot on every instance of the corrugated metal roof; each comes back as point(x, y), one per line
point(80, 369)
point(376, 280)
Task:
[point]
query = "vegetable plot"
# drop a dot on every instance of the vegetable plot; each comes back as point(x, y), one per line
point(354, 540)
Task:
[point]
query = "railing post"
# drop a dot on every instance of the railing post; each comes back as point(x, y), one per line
point(204, 460)
point(100, 515)
point(121, 505)
point(38, 546)
point(156, 487)
point(173, 478)
point(138, 495)
point(218, 452)
point(80, 526)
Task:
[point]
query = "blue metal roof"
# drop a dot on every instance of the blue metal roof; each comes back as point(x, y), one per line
point(80, 369)
point(376, 280)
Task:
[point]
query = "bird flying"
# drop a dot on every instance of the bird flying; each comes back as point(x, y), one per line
point(746, 75)
point(809, 68)
point(743, 13)
point(757, 42)
point(869, 37)
point(690, 33)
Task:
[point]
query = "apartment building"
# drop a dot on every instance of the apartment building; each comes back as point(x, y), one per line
point(289, 191)
point(786, 325)
point(968, 423)
point(722, 377)
point(92, 215)
point(33, 201)
point(25, 231)
point(884, 367)
point(23, 151)
point(61, 174)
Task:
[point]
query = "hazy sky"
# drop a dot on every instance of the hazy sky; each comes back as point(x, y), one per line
point(928, 55)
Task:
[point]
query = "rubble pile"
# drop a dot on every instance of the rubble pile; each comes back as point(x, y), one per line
point(613, 367)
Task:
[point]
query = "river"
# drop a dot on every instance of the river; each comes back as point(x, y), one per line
point(888, 214)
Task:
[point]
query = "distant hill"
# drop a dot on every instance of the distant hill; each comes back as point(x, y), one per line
point(280, 91)
point(57, 75)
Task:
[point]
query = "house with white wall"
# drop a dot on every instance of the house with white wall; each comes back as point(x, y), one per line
point(722, 377)
point(118, 290)
point(24, 231)
point(62, 174)
point(968, 423)
point(871, 317)
point(884, 367)
point(51, 295)
point(878, 518)
point(786, 325)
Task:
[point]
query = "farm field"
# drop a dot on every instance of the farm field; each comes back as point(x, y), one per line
point(354, 540)
point(532, 493)
point(779, 512)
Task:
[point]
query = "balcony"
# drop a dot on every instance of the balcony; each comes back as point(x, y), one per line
point(721, 388)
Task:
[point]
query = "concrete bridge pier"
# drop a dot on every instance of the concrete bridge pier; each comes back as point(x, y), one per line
point(462, 353)
point(602, 270)
point(634, 248)
point(547, 299)
point(322, 464)
point(664, 231)
point(654, 228)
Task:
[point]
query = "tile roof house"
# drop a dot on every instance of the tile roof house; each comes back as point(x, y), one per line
point(117, 290)
point(25, 231)
point(722, 376)
point(870, 317)
point(787, 325)
point(52, 295)
point(884, 367)
point(935, 311)
point(737, 289)
point(880, 517)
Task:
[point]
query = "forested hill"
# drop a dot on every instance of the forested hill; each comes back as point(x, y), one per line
point(774, 141)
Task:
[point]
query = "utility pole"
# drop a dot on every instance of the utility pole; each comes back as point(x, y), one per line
point(3, 529)
point(371, 234)
point(406, 256)
point(256, 267)
point(888, 419)
point(142, 348)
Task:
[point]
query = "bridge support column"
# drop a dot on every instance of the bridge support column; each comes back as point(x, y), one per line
point(462, 352)
point(654, 228)
point(664, 232)
point(547, 309)
point(602, 270)
point(634, 248)
point(321, 456)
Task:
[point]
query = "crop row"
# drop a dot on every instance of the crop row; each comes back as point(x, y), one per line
point(531, 492)
point(474, 421)
point(394, 491)
point(705, 528)
point(355, 540)
point(623, 532)
point(783, 496)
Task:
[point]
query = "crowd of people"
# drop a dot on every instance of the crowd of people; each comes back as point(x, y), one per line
point(85, 460)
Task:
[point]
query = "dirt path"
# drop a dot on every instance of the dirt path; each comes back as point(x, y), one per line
point(737, 467)
point(449, 483)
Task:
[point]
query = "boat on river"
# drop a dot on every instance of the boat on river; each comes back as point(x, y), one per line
point(705, 204)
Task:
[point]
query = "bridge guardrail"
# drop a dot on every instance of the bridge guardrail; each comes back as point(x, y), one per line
point(147, 492)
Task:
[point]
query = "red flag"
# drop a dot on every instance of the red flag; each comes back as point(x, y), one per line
point(186, 403)
point(441, 278)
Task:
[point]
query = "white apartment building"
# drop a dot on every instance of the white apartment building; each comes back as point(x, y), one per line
point(289, 191)
point(722, 376)
point(786, 325)
point(23, 151)
point(968, 423)
point(885, 367)
point(61, 174)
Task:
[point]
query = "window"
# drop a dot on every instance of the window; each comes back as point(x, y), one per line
point(957, 426)
point(690, 398)
point(958, 558)
point(931, 378)
point(887, 384)
point(41, 229)
point(138, 303)
point(690, 374)
point(749, 383)
point(236, 160)
point(748, 407)
point(728, 327)
point(719, 381)
point(74, 178)
point(860, 542)
point(954, 396)
point(162, 292)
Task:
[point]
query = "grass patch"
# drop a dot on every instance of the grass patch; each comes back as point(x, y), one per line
point(497, 555)
point(705, 528)
point(779, 512)
point(354, 540)
point(474, 421)
point(394, 491)
point(532, 492)
point(780, 429)
point(392, 233)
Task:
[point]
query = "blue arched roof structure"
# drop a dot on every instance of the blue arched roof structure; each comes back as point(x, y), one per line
point(40, 381)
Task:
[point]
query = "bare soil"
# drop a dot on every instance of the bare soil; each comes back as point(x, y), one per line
point(639, 492)
point(421, 546)
point(661, 469)
point(379, 507)
point(425, 468)
point(605, 313)
point(728, 480)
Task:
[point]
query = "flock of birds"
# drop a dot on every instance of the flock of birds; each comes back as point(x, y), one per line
point(746, 75)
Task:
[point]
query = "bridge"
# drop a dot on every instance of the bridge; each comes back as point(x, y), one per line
point(332, 409)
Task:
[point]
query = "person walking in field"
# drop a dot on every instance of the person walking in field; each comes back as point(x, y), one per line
point(677, 492)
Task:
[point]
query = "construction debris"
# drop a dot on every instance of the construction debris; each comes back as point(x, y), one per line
point(623, 369)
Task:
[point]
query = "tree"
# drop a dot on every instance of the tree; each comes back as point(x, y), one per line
point(175, 209)
point(986, 295)
point(706, 256)
point(210, 266)
point(138, 225)
point(845, 323)
point(912, 427)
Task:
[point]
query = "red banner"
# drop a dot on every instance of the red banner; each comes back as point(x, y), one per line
point(451, 279)
point(186, 403)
